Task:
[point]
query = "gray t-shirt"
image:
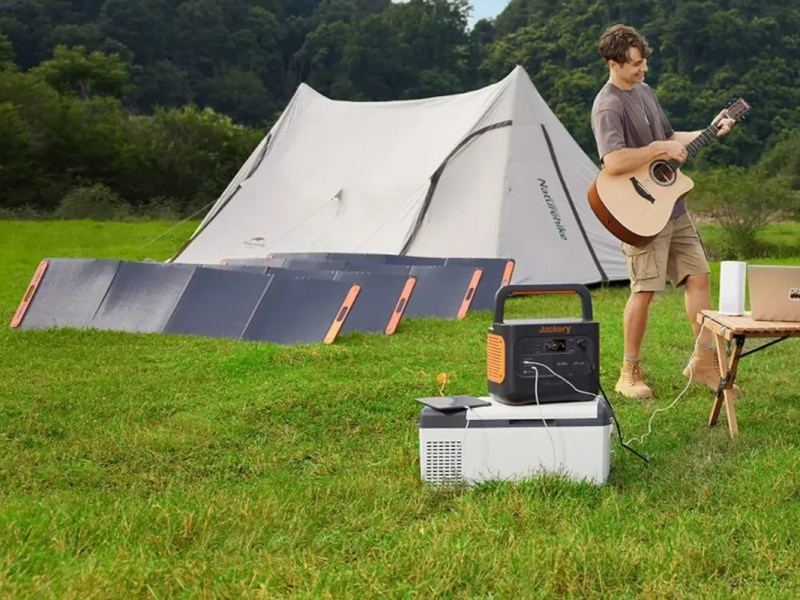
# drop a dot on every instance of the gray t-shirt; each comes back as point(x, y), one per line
point(629, 119)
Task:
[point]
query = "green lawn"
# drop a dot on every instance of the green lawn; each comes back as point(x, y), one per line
point(170, 466)
point(781, 241)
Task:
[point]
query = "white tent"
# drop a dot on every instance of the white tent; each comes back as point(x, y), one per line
point(487, 173)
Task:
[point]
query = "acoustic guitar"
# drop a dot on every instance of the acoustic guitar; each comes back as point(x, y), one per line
point(635, 207)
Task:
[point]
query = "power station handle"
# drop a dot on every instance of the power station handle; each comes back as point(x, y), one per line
point(530, 290)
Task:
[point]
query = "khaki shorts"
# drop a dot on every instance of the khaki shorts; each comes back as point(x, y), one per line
point(676, 253)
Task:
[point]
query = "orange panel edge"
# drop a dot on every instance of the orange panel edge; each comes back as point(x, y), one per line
point(342, 313)
point(467, 301)
point(508, 272)
point(27, 298)
point(400, 306)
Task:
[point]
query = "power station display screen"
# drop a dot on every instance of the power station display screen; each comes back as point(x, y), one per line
point(567, 356)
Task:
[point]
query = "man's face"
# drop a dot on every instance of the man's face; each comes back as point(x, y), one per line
point(631, 71)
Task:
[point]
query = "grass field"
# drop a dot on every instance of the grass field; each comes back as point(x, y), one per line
point(169, 466)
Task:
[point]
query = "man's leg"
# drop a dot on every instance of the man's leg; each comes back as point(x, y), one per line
point(634, 322)
point(697, 297)
point(631, 381)
point(704, 366)
point(689, 257)
point(647, 269)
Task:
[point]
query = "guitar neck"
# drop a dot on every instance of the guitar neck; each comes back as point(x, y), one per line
point(701, 140)
point(708, 134)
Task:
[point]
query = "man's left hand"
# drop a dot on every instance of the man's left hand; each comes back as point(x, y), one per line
point(724, 122)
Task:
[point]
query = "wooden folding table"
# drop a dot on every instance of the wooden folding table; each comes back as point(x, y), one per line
point(728, 329)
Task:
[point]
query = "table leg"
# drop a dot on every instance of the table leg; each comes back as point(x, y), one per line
point(733, 366)
point(723, 371)
point(727, 368)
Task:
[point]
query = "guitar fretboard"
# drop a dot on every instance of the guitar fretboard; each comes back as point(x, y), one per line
point(708, 134)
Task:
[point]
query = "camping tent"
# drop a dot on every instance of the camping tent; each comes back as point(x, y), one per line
point(487, 173)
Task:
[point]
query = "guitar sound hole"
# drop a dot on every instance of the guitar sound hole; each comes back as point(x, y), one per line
point(662, 173)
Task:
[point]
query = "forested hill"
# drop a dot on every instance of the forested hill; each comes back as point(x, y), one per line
point(245, 58)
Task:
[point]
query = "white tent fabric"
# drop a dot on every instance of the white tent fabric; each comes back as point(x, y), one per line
point(487, 173)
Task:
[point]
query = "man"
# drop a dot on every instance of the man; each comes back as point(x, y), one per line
point(631, 130)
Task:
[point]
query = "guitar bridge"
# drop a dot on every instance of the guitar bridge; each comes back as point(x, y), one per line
point(640, 189)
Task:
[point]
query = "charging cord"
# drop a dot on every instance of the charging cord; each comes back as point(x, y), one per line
point(544, 420)
point(641, 438)
point(594, 395)
point(617, 426)
point(476, 414)
point(608, 403)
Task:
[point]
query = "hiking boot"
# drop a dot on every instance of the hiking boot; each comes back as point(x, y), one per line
point(631, 381)
point(704, 369)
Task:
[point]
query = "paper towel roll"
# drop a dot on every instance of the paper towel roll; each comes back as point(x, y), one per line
point(732, 277)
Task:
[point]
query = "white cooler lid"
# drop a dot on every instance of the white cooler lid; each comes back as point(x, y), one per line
point(549, 410)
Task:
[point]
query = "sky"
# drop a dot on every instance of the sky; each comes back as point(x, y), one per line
point(483, 9)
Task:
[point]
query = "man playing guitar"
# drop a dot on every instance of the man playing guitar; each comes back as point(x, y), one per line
point(631, 130)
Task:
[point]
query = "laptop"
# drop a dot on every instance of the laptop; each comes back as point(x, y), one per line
point(774, 292)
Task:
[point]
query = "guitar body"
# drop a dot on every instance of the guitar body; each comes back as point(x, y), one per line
point(635, 207)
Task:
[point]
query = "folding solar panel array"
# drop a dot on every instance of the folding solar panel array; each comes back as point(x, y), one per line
point(167, 298)
point(494, 272)
point(284, 299)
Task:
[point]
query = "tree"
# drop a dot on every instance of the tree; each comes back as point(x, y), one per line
point(188, 154)
point(139, 25)
point(321, 59)
point(161, 84)
point(240, 94)
point(6, 54)
point(89, 35)
point(26, 23)
point(29, 119)
point(74, 71)
point(783, 161)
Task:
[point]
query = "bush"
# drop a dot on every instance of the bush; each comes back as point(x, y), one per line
point(743, 201)
point(162, 209)
point(97, 202)
point(6, 214)
point(783, 161)
point(180, 153)
point(20, 213)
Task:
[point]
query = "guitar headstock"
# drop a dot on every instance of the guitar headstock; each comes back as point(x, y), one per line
point(737, 109)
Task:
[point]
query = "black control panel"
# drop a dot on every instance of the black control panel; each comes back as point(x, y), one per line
point(567, 356)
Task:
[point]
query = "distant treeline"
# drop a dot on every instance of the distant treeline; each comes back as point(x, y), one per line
point(161, 102)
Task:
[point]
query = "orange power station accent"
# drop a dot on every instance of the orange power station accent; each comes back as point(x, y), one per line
point(495, 358)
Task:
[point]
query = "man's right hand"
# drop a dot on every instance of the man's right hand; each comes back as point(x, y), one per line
point(674, 150)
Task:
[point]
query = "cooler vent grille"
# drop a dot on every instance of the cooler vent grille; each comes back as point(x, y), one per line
point(443, 461)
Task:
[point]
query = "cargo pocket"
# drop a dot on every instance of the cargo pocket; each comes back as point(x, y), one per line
point(641, 262)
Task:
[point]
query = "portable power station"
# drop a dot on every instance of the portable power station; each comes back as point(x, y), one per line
point(520, 353)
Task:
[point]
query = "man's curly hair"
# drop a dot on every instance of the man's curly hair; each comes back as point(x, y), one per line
point(618, 39)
